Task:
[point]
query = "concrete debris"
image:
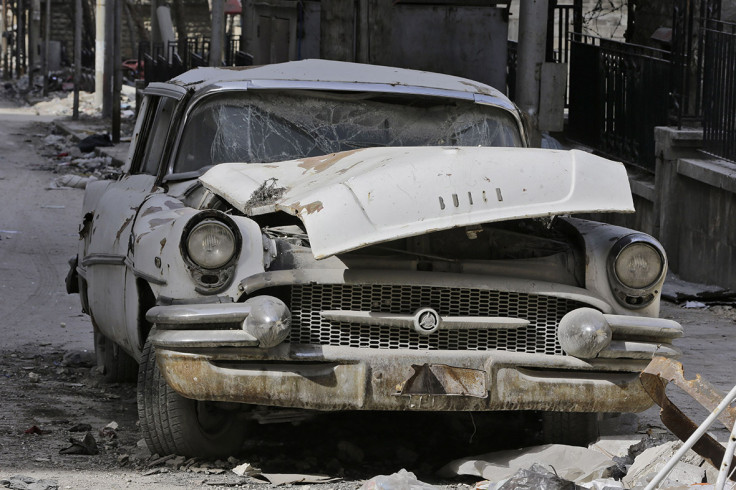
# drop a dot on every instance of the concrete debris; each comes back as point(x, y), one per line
point(536, 478)
point(246, 469)
point(79, 358)
point(21, 482)
point(688, 471)
point(694, 304)
point(87, 446)
point(81, 428)
point(34, 377)
point(577, 464)
point(401, 480)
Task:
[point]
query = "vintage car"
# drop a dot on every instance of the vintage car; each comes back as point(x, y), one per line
point(334, 236)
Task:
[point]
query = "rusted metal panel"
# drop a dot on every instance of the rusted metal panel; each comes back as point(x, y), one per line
point(441, 379)
point(655, 378)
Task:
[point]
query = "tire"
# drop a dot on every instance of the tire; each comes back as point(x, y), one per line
point(172, 424)
point(117, 365)
point(570, 428)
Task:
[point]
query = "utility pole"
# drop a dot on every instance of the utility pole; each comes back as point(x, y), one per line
point(46, 47)
point(155, 30)
point(99, 52)
point(34, 34)
point(77, 56)
point(6, 73)
point(532, 45)
point(116, 72)
point(217, 38)
point(20, 39)
point(108, 63)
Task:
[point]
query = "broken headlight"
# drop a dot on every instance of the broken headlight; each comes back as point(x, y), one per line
point(210, 246)
point(636, 266)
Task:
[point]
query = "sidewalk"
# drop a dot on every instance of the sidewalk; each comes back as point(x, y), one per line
point(86, 126)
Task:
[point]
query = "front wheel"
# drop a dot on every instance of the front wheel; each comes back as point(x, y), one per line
point(172, 424)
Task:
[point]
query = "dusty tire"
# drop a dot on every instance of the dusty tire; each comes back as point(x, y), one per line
point(172, 424)
point(117, 365)
point(571, 428)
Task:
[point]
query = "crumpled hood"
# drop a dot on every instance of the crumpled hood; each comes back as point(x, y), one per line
point(353, 199)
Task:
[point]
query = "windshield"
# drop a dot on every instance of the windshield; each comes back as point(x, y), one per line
point(264, 127)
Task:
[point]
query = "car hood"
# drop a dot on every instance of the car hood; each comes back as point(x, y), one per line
point(358, 198)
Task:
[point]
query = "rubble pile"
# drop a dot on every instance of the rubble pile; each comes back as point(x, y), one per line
point(78, 168)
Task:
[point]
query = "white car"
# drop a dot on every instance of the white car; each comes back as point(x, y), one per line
point(336, 236)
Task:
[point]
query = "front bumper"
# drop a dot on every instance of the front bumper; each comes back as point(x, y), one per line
point(232, 365)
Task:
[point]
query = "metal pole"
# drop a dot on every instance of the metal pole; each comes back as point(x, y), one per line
point(218, 32)
point(5, 39)
point(692, 440)
point(20, 39)
point(46, 47)
point(532, 43)
point(99, 52)
point(77, 56)
point(34, 33)
point(155, 30)
point(727, 459)
point(108, 63)
point(116, 72)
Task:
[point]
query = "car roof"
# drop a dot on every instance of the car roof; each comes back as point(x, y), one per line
point(327, 71)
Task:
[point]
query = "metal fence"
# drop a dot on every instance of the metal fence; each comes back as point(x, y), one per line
point(160, 62)
point(618, 94)
point(719, 89)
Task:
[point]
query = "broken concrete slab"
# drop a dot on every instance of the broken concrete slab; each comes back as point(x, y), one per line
point(688, 471)
point(615, 446)
point(574, 463)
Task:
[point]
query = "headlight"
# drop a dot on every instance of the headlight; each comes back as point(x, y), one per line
point(636, 266)
point(211, 244)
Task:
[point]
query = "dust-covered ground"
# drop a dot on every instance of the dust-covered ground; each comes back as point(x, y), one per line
point(50, 392)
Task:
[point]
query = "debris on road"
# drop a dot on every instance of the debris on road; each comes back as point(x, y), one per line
point(400, 480)
point(21, 482)
point(574, 463)
point(36, 430)
point(536, 478)
point(87, 446)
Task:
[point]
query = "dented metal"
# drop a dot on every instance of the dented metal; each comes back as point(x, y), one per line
point(655, 378)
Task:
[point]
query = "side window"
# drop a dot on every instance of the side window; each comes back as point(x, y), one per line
point(156, 137)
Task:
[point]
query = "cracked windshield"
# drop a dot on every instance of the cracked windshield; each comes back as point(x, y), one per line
point(271, 127)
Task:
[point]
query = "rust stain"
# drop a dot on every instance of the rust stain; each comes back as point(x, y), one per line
point(151, 210)
point(655, 378)
point(158, 222)
point(122, 228)
point(163, 243)
point(312, 207)
point(321, 163)
point(171, 204)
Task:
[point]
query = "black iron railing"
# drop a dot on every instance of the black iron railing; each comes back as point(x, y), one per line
point(618, 94)
point(161, 62)
point(719, 89)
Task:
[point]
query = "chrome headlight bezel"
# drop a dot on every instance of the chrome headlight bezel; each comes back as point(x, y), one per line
point(211, 279)
point(632, 296)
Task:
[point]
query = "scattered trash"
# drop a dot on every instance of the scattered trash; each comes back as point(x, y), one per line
point(574, 463)
point(70, 181)
point(22, 482)
point(87, 446)
point(34, 377)
point(246, 469)
point(537, 478)
point(109, 431)
point(81, 428)
point(694, 304)
point(401, 480)
point(10, 232)
point(80, 358)
point(34, 429)
point(678, 291)
point(47, 206)
point(91, 142)
point(289, 479)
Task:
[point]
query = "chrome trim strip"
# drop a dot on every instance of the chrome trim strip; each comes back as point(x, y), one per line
point(143, 275)
point(407, 321)
point(416, 278)
point(198, 313)
point(103, 259)
point(644, 326)
point(182, 339)
point(638, 350)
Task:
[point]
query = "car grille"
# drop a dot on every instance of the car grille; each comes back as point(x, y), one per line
point(543, 312)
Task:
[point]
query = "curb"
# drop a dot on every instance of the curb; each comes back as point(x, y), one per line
point(102, 151)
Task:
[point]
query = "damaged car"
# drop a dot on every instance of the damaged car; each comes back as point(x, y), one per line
point(333, 236)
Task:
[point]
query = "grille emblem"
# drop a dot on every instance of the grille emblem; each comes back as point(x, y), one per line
point(426, 321)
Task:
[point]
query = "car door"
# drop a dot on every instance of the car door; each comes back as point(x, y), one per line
point(109, 216)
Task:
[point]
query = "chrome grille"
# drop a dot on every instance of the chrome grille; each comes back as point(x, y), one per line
point(543, 312)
